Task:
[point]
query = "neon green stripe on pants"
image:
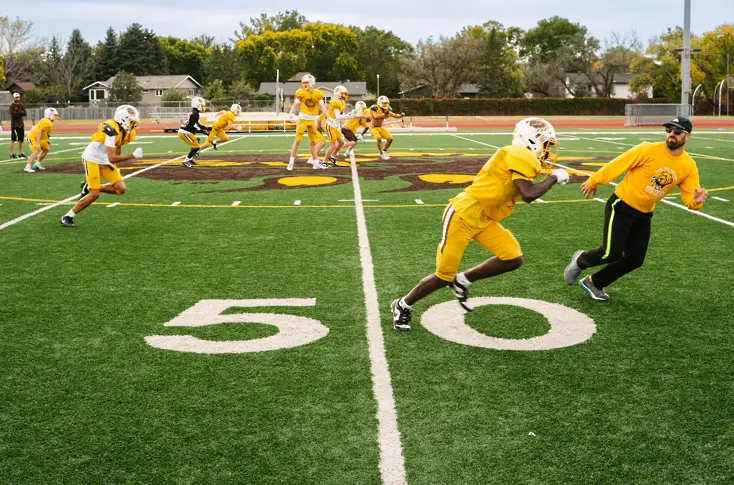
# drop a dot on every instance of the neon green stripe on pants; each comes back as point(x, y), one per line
point(609, 231)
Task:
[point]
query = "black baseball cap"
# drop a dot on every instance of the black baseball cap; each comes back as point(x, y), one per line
point(680, 122)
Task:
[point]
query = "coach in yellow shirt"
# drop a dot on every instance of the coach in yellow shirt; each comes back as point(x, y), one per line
point(653, 169)
point(476, 214)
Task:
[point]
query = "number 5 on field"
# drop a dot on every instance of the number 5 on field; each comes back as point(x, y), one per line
point(293, 330)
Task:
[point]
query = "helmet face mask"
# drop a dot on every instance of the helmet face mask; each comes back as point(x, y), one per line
point(127, 117)
point(538, 136)
point(383, 102)
point(308, 82)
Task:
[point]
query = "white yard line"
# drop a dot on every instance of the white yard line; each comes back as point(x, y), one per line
point(296, 202)
point(175, 203)
point(634, 145)
point(114, 204)
point(73, 197)
point(419, 202)
point(719, 199)
point(696, 137)
point(475, 141)
point(236, 203)
point(51, 153)
point(392, 463)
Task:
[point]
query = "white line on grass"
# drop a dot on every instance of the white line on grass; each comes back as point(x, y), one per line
point(114, 204)
point(236, 203)
point(599, 199)
point(719, 198)
point(50, 153)
point(392, 463)
point(175, 203)
point(73, 197)
point(634, 145)
point(296, 202)
point(469, 139)
point(419, 202)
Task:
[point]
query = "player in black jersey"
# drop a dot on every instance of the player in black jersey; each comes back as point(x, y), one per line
point(188, 130)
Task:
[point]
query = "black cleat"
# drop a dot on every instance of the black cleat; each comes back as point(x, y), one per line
point(187, 163)
point(22, 155)
point(85, 189)
point(214, 145)
point(67, 221)
point(461, 293)
point(400, 317)
point(13, 157)
point(332, 162)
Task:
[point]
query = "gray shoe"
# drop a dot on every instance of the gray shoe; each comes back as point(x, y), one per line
point(572, 271)
point(67, 221)
point(588, 286)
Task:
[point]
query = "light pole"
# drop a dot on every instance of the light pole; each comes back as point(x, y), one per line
point(378, 85)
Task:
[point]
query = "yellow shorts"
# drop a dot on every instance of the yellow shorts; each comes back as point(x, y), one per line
point(457, 233)
point(217, 134)
point(32, 143)
point(190, 139)
point(313, 134)
point(93, 172)
point(334, 134)
point(380, 133)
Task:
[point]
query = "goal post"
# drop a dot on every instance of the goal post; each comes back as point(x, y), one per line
point(653, 114)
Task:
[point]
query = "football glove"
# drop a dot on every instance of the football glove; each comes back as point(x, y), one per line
point(360, 138)
point(138, 153)
point(561, 176)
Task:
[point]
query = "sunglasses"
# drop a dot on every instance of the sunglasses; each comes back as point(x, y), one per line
point(677, 131)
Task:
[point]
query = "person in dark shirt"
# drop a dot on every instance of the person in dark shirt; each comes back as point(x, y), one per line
point(189, 128)
point(17, 129)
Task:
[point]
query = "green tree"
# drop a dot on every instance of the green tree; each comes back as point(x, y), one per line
point(261, 55)
point(105, 57)
point(173, 95)
point(282, 21)
point(140, 53)
point(2, 72)
point(498, 72)
point(21, 54)
point(184, 57)
point(241, 90)
point(330, 56)
point(380, 52)
point(222, 62)
point(215, 90)
point(125, 88)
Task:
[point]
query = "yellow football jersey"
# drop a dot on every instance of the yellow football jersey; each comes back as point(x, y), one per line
point(223, 121)
point(309, 101)
point(492, 195)
point(378, 110)
point(652, 172)
point(355, 123)
point(111, 128)
point(44, 126)
point(335, 104)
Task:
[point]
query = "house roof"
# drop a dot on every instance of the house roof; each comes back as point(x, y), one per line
point(468, 89)
point(358, 88)
point(153, 82)
point(619, 78)
point(21, 86)
point(298, 76)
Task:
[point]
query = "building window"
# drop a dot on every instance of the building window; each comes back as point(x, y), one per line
point(100, 94)
point(159, 92)
point(146, 91)
point(191, 92)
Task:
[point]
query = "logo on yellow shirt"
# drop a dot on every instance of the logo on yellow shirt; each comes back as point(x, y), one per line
point(662, 178)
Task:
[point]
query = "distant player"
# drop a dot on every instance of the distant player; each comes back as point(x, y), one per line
point(349, 130)
point(379, 113)
point(100, 157)
point(309, 102)
point(225, 120)
point(475, 214)
point(39, 140)
point(332, 123)
point(189, 129)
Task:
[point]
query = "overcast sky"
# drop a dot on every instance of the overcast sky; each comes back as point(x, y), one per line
point(409, 19)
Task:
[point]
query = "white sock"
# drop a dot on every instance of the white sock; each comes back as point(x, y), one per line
point(292, 160)
point(70, 214)
point(462, 280)
point(404, 305)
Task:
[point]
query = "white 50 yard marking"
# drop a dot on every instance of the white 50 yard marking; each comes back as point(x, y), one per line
point(392, 464)
point(73, 197)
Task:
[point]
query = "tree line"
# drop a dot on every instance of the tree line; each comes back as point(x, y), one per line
point(556, 58)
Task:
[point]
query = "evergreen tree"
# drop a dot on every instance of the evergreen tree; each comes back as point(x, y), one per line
point(105, 57)
point(140, 53)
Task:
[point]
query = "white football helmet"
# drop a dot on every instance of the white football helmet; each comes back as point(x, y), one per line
point(383, 102)
point(51, 114)
point(127, 117)
point(198, 103)
point(538, 136)
point(308, 81)
point(360, 105)
point(340, 92)
point(236, 109)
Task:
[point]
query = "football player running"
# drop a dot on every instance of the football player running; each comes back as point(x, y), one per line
point(334, 116)
point(309, 101)
point(349, 130)
point(379, 113)
point(39, 140)
point(223, 122)
point(100, 157)
point(189, 128)
point(476, 214)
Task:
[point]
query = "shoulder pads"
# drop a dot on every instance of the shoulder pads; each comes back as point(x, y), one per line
point(108, 130)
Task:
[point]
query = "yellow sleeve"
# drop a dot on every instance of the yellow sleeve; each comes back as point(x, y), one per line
point(521, 167)
point(687, 186)
point(299, 95)
point(624, 163)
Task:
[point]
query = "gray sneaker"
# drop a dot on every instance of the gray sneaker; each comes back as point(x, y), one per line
point(572, 271)
point(588, 286)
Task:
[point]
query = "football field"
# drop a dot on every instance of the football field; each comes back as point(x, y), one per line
point(231, 324)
